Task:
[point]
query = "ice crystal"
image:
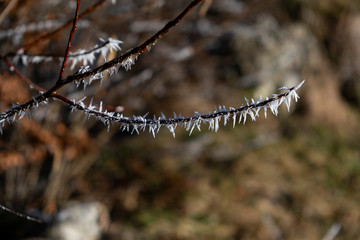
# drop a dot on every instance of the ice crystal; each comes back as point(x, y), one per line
point(127, 63)
point(89, 57)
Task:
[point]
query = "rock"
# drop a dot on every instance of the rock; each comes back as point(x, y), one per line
point(80, 221)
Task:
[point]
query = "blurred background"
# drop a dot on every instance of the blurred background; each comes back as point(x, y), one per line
point(295, 176)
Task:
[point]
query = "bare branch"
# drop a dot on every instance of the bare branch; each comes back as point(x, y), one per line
point(20, 214)
point(73, 29)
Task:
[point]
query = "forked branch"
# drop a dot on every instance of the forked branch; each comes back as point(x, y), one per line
point(125, 60)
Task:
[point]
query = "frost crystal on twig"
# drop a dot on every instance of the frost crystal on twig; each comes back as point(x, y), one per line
point(86, 57)
point(213, 119)
point(128, 62)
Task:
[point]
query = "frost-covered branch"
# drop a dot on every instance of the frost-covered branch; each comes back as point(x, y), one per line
point(141, 123)
point(83, 56)
point(236, 115)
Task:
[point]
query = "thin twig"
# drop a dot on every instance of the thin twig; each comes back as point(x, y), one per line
point(33, 85)
point(72, 32)
point(21, 215)
point(12, 68)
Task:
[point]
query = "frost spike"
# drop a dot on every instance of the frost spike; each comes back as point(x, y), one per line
point(299, 85)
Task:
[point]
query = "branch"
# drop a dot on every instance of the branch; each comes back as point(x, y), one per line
point(140, 123)
point(32, 85)
point(20, 214)
point(73, 29)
